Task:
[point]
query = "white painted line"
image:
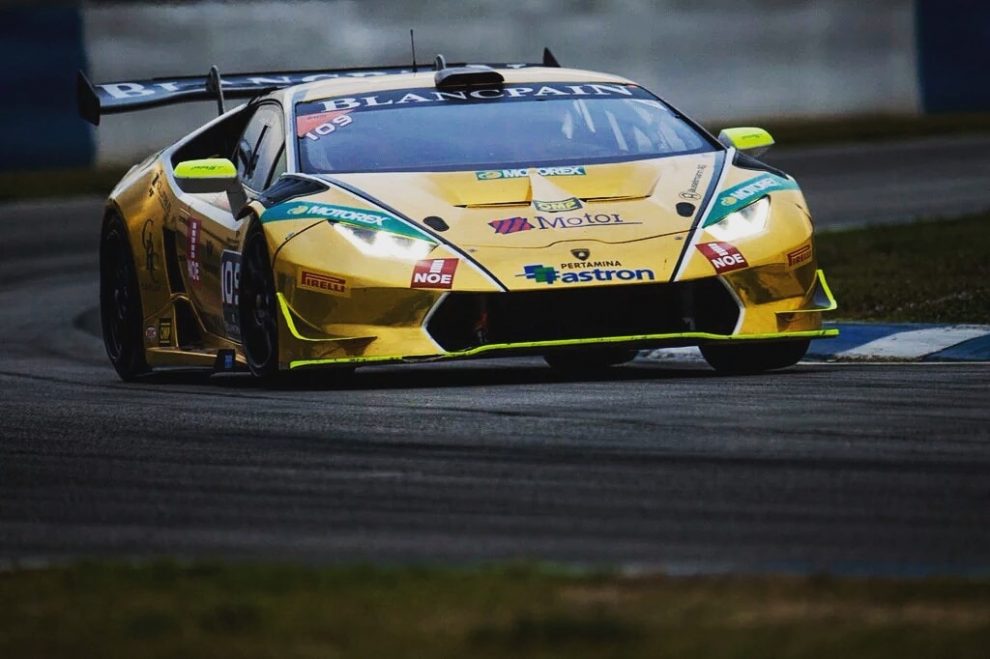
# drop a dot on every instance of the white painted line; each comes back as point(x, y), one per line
point(915, 344)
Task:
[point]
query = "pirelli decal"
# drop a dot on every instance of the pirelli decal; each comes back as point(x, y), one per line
point(324, 283)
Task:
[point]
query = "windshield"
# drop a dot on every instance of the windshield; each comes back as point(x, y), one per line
point(538, 125)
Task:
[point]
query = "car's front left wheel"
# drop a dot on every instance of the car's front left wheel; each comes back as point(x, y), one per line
point(258, 306)
point(754, 357)
point(120, 302)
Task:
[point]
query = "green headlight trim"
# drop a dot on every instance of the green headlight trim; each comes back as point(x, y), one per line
point(741, 195)
point(363, 218)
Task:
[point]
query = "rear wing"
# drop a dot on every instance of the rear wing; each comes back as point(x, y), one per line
point(96, 100)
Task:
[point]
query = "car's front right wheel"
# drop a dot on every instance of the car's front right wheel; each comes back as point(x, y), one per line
point(258, 306)
point(754, 357)
point(120, 301)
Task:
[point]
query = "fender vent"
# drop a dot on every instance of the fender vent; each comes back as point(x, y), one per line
point(172, 262)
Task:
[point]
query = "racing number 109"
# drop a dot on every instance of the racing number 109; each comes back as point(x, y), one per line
point(329, 127)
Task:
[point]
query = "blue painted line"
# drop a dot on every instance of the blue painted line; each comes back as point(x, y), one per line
point(975, 350)
point(41, 49)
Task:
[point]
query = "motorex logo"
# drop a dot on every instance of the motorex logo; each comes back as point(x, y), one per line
point(545, 274)
point(341, 213)
point(748, 191)
point(493, 174)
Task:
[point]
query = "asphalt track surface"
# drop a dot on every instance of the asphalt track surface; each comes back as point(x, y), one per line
point(861, 468)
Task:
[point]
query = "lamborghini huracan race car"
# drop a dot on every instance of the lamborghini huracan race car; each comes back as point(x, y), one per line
point(366, 216)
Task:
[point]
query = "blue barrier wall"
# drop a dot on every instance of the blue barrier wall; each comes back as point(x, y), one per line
point(953, 60)
point(41, 49)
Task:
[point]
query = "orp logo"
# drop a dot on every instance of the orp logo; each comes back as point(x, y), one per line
point(434, 273)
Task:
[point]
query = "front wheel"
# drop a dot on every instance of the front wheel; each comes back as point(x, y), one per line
point(754, 357)
point(258, 306)
point(120, 302)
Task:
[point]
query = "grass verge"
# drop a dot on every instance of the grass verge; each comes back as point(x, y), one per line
point(165, 609)
point(936, 272)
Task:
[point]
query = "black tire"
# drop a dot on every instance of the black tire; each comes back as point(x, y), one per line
point(121, 313)
point(754, 357)
point(258, 306)
point(588, 361)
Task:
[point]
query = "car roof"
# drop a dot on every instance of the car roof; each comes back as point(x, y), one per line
point(364, 84)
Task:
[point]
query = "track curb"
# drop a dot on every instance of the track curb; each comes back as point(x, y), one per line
point(877, 342)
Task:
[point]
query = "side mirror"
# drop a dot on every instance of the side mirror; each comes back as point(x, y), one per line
point(212, 175)
point(753, 141)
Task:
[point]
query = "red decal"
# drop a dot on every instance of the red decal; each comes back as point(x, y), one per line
point(434, 273)
point(800, 255)
point(723, 256)
point(192, 250)
point(317, 125)
point(326, 283)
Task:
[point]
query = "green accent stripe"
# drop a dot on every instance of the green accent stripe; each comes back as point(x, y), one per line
point(497, 347)
point(356, 217)
point(742, 195)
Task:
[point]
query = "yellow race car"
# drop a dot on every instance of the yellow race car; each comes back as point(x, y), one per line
point(407, 214)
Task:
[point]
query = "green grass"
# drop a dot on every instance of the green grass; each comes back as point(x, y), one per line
point(211, 610)
point(925, 272)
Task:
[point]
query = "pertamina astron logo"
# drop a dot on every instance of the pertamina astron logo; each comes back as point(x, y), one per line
point(544, 274)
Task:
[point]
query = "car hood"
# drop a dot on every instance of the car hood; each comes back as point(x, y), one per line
point(534, 227)
point(513, 209)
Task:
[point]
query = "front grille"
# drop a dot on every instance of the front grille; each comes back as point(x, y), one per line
point(468, 320)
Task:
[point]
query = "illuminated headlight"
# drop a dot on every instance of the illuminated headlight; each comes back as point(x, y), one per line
point(384, 244)
point(744, 222)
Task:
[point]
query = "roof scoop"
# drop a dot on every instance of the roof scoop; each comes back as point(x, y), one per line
point(463, 77)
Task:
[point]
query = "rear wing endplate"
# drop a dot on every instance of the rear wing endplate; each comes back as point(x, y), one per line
point(97, 100)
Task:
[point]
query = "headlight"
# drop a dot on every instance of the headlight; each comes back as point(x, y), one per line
point(384, 244)
point(744, 222)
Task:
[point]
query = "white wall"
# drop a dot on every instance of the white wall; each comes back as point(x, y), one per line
point(716, 60)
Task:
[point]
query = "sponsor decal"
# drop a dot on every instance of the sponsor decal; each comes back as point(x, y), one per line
point(495, 174)
point(799, 256)
point(544, 274)
point(150, 256)
point(737, 196)
point(581, 221)
point(557, 206)
point(723, 256)
point(230, 288)
point(323, 283)
point(692, 191)
point(425, 96)
point(151, 333)
point(164, 332)
point(158, 189)
point(192, 250)
point(511, 225)
point(581, 265)
point(581, 253)
point(434, 273)
point(321, 124)
point(359, 217)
